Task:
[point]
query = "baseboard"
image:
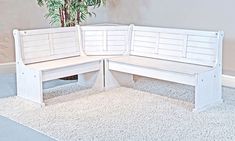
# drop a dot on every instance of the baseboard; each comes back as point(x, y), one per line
point(8, 67)
point(227, 80)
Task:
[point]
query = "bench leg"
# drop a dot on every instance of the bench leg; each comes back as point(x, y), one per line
point(94, 80)
point(115, 79)
point(208, 90)
point(29, 85)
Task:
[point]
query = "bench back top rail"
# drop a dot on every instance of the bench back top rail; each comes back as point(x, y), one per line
point(189, 46)
point(48, 44)
point(105, 40)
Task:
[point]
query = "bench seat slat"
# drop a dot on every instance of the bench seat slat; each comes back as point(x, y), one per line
point(65, 62)
point(172, 66)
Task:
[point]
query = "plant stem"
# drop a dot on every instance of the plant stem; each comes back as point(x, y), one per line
point(78, 14)
point(61, 17)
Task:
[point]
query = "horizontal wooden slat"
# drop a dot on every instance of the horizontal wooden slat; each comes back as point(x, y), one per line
point(94, 38)
point(203, 57)
point(169, 52)
point(94, 43)
point(116, 43)
point(201, 50)
point(64, 35)
point(35, 37)
point(37, 54)
point(93, 33)
point(171, 47)
point(145, 33)
point(46, 31)
point(36, 49)
point(200, 44)
point(176, 31)
point(36, 43)
point(116, 38)
point(116, 48)
point(202, 39)
point(64, 51)
point(145, 44)
point(64, 40)
point(94, 48)
point(65, 45)
point(102, 28)
point(172, 36)
point(145, 39)
point(171, 41)
point(144, 49)
point(116, 33)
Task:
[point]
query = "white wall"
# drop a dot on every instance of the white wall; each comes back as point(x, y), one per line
point(17, 14)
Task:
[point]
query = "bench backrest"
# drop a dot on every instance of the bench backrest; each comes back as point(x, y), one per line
point(105, 40)
point(190, 46)
point(48, 44)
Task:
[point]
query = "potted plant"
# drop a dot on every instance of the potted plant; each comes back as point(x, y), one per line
point(67, 13)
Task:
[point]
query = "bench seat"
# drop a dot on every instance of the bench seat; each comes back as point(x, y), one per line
point(68, 66)
point(160, 64)
point(65, 62)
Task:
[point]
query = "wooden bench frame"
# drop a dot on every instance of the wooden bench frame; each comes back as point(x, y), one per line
point(110, 51)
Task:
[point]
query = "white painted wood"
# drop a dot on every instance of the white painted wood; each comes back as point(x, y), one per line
point(207, 90)
point(105, 40)
point(152, 73)
point(91, 80)
point(49, 44)
point(175, 31)
point(29, 84)
point(79, 32)
point(161, 64)
point(115, 79)
point(129, 40)
point(185, 49)
point(70, 70)
point(110, 81)
point(48, 54)
point(6, 68)
point(99, 81)
point(195, 47)
point(184, 56)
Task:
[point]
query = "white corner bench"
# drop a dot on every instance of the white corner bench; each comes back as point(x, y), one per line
point(117, 53)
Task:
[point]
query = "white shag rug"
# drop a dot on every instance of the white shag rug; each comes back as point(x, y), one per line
point(124, 114)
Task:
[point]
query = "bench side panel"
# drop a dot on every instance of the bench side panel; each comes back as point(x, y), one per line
point(189, 46)
point(49, 44)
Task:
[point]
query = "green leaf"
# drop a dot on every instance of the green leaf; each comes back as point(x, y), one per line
point(74, 11)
